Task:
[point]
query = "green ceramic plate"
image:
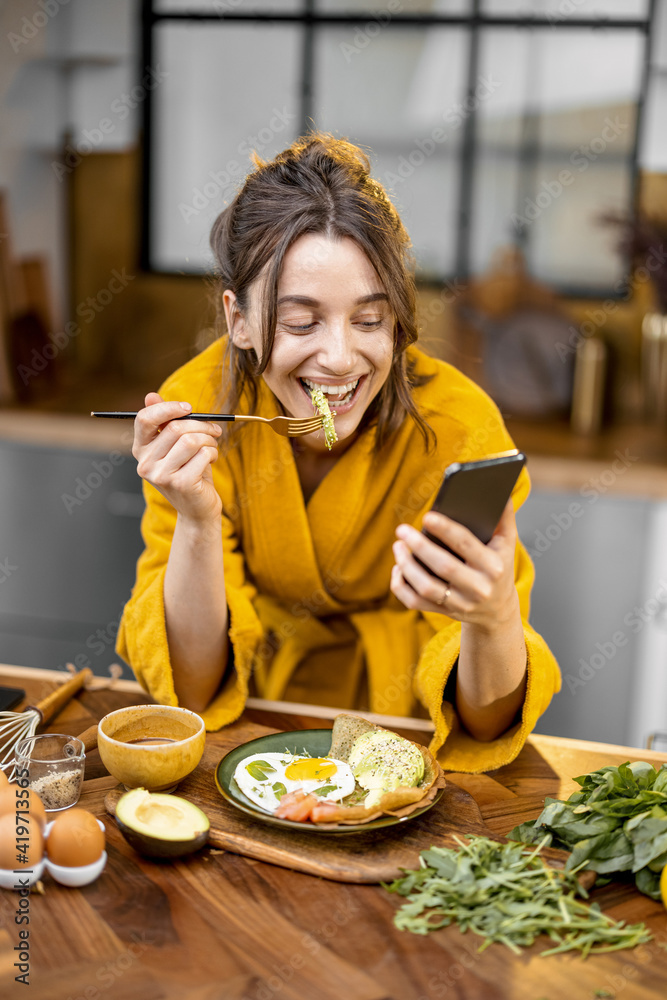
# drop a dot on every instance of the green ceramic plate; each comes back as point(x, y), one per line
point(315, 742)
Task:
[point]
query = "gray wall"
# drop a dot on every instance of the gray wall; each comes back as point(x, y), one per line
point(590, 553)
point(69, 541)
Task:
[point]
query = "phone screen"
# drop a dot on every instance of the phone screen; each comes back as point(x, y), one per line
point(475, 494)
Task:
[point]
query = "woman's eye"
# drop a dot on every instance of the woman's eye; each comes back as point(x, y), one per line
point(369, 323)
point(297, 324)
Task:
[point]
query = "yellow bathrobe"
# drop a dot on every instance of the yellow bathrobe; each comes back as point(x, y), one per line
point(312, 618)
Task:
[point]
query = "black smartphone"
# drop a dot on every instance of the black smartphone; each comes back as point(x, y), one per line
point(475, 493)
point(10, 698)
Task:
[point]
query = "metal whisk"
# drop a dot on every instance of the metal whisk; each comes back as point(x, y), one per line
point(16, 726)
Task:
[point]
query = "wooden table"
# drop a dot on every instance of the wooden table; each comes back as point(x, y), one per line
point(218, 926)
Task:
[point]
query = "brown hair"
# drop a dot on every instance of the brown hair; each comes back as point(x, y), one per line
point(320, 184)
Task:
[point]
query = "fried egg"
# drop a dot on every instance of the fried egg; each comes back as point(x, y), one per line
point(265, 777)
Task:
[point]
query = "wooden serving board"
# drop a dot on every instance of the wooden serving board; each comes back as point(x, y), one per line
point(376, 856)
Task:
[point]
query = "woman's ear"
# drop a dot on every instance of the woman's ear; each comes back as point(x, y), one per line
point(235, 321)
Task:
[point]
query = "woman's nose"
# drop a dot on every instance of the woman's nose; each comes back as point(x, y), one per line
point(337, 353)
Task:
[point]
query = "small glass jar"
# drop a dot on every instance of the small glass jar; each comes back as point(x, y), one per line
point(53, 765)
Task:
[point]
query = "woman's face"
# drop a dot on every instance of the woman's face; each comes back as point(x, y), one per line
point(335, 331)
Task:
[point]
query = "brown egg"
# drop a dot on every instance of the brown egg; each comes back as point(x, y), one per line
point(15, 799)
point(4, 780)
point(19, 849)
point(75, 839)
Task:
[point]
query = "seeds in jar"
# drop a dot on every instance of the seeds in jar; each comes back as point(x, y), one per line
point(57, 791)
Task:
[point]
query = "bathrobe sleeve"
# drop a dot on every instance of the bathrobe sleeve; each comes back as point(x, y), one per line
point(142, 637)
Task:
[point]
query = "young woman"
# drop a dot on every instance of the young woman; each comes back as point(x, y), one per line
point(278, 566)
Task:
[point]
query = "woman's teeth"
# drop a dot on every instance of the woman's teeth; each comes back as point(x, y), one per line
point(337, 393)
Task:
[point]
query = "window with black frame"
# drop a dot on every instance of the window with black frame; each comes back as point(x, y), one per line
point(491, 122)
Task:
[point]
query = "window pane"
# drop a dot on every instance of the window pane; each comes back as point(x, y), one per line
point(561, 10)
point(427, 201)
point(228, 6)
point(566, 243)
point(556, 139)
point(496, 188)
point(385, 6)
point(401, 95)
point(209, 114)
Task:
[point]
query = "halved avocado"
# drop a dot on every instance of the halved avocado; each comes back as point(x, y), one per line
point(160, 825)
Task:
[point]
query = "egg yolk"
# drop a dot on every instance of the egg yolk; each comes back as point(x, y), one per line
point(311, 769)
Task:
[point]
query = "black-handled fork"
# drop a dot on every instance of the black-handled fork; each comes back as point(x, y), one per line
point(287, 426)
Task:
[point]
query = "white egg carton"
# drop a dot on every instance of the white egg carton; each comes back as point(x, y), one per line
point(73, 877)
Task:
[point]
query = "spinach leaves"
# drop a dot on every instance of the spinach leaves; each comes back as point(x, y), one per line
point(616, 823)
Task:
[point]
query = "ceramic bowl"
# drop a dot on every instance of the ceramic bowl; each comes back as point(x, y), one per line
point(9, 879)
point(151, 746)
point(76, 877)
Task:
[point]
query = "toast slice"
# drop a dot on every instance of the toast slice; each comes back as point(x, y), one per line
point(400, 802)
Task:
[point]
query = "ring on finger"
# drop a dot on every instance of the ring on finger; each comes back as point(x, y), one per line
point(445, 597)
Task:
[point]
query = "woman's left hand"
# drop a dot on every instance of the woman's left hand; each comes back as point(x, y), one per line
point(479, 590)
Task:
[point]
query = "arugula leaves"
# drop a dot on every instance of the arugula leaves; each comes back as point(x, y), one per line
point(616, 823)
point(506, 893)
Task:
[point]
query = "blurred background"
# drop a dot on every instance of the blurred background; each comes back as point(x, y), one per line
point(524, 143)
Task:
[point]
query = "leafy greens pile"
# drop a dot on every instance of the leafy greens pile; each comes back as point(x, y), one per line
point(616, 823)
point(508, 894)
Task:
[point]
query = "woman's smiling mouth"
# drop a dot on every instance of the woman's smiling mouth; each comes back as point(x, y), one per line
point(339, 395)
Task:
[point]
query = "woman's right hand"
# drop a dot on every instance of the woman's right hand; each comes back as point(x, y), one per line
point(175, 456)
